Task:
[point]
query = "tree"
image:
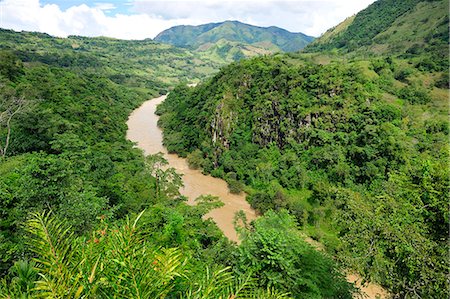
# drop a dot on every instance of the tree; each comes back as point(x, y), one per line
point(275, 252)
point(119, 262)
point(399, 237)
point(10, 66)
point(168, 182)
point(10, 107)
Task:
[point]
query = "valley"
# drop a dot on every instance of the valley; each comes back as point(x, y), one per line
point(143, 129)
point(292, 167)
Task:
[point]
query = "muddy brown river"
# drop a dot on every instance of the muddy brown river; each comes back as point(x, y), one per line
point(143, 129)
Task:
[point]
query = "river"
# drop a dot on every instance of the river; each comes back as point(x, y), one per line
point(143, 129)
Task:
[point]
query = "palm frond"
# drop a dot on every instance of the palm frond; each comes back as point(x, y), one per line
point(52, 241)
point(219, 284)
point(133, 268)
point(269, 294)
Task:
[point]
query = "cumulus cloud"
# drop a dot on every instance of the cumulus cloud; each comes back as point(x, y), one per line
point(30, 15)
point(307, 16)
point(105, 6)
point(146, 18)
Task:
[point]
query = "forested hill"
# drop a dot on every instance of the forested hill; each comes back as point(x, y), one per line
point(356, 147)
point(408, 27)
point(234, 39)
point(143, 64)
point(83, 214)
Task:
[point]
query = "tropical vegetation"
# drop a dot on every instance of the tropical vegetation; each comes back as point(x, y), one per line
point(354, 145)
point(85, 215)
point(345, 143)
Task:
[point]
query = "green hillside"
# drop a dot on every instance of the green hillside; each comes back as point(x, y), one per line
point(142, 64)
point(245, 39)
point(83, 214)
point(353, 143)
point(345, 142)
point(393, 27)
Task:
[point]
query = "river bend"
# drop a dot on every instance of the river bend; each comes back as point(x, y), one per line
point(143, 129)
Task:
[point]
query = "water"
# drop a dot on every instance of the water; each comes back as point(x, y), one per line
point(143, 129)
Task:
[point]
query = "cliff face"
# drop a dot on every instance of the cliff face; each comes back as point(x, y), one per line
point(283, 110)
point(271, 101)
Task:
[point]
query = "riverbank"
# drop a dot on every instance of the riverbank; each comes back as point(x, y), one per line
point(143, 129)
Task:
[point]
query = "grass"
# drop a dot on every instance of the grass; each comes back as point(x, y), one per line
point(11, 164)
point(440, 98)
point(336, 30)
point(418, 22)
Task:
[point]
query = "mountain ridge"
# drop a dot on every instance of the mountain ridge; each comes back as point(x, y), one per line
point(402, 28)
point(234, 32)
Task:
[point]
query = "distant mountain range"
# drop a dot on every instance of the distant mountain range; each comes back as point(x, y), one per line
point(233, 40)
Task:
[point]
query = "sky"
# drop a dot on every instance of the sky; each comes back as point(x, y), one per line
point(140, 19)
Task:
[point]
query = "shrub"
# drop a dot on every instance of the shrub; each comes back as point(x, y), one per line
point(195, 159)
point(234, 185)
point(414, 95)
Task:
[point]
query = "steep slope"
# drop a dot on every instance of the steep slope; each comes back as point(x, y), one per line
point(236, 35)
point(331, 33)
point(392, 27)
point(356, 149)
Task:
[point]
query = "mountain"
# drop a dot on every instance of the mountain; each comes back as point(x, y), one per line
point(350, 136)
point(248, 39)
point(391, 27)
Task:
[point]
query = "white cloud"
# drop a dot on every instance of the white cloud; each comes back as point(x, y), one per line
point(77, 20)
point(105, 6)
point(149, 17)
point(307, 16)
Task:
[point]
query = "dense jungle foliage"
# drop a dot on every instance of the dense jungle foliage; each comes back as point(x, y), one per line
point(347, 144)
point(81, 212)
point(356, 151)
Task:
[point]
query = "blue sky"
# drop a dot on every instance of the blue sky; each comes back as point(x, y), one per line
point(122, 7)
point(139, 19)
